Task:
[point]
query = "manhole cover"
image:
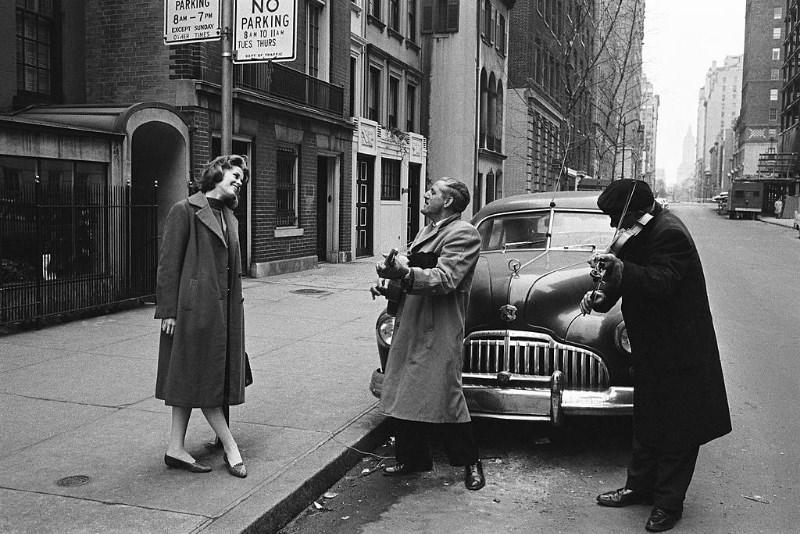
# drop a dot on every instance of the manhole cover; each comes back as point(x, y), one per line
point(75, 480)
point(309, 291)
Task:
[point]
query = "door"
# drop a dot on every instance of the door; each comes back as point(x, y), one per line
point(365, 181)
point(414, 170)
point(323, 203)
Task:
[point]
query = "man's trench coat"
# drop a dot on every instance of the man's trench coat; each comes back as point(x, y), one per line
point(679, 392)
point(422, 381)
point(199, 283)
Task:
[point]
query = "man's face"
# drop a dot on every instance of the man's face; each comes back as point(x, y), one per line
point(436, 201)
point(630, 219)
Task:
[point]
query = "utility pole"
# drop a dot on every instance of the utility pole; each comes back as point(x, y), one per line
point(227, 77)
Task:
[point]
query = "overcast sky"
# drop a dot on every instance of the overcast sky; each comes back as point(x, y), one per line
point(681, 39)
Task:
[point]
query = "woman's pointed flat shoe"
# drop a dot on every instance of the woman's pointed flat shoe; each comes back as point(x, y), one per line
point(193, 467)
point(237, 470)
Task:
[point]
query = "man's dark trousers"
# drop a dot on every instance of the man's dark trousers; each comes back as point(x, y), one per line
point(413, 438)
point(665, 474)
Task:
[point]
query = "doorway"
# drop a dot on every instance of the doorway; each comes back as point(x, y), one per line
point(412, 225)
point(365, 181)
point(325, 166)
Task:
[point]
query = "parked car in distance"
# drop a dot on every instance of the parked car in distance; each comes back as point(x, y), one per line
point(529, 353)
point(663, 201)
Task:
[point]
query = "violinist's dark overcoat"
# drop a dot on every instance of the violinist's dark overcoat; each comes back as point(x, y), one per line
point(679, 399)
point(199, 283)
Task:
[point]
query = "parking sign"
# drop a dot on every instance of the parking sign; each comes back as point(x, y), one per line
point(265, 30)
point(190, 21)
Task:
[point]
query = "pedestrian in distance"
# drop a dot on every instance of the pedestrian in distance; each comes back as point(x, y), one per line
point(779, 207)
point(422, 392)
point(680, 401)
point(201, 358)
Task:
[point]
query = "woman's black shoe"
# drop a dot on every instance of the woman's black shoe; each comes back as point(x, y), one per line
point(180, 464)
point(237, 470)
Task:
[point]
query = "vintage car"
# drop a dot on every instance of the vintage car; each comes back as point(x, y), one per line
point(529, 354)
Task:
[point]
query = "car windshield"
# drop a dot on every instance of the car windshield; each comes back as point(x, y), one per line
point(569, 229)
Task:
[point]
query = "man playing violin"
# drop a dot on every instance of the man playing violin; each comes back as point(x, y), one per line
point(680, 401)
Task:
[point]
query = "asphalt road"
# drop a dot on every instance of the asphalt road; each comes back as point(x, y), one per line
point(543, 480)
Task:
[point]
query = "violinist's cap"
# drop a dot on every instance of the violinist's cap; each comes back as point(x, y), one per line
point(612, 200)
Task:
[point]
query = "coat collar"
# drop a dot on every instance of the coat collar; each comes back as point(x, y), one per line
point(206, 215)
point(432, 230)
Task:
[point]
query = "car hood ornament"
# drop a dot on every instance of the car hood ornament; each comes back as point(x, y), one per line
point(508, 313)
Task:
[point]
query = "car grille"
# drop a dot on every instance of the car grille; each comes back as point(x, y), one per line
point(531, 354)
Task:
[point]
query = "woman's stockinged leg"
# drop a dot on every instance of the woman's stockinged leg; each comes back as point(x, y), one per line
point(177, 434)
point(216, 418)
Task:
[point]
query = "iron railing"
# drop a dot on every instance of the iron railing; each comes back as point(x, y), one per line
point(284, 82)
point(69, 249)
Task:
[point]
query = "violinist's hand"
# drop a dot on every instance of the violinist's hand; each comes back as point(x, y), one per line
point(396, 270)
point(591, 300)
point(611, 266)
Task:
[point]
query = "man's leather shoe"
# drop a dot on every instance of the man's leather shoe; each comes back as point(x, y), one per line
point(661, 519)
point(473, 476)
point(624, 497)
point(193, 467)
point(397, 470)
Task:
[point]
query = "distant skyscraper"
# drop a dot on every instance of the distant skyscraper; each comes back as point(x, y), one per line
point(686, 168)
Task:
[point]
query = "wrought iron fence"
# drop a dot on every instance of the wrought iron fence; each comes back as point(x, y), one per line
point(68, 249)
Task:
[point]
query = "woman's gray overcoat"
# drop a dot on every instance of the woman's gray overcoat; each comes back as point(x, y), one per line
point(199, 283)
point(422, 381)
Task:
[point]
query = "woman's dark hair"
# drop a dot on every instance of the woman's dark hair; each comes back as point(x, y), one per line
point(215, 170)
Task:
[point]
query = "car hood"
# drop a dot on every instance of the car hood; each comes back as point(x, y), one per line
point(546, 290)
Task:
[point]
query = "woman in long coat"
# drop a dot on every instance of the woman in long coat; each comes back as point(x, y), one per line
point(201, 359)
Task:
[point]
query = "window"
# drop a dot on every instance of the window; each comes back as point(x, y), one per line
point(286, 187)
point(773, 94)
point(487, 19)
point(501, 33)
point(776, 53)
point(353, 79)
point(776, 33)
point(374, 94)
point(411, 107)
point(440, 16)
point(390, 179)
point(35, 31)
point(394, 15)
point(313, 39)
point(773, 114)
point(412, 21)
point(777, 13)
point(374, 8)
point(394, 90)
point(775, 74)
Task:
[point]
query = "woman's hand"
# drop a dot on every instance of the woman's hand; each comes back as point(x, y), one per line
point(168, 325)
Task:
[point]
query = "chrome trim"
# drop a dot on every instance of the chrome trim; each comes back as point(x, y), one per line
point(529, 354)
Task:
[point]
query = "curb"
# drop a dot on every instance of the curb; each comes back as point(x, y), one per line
point(322, 468)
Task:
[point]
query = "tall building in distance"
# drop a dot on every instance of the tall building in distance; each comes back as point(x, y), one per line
point(719, 101)
point(649, 113)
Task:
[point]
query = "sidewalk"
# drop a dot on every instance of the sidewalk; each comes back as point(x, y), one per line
point(789, 223)
point(76, 400)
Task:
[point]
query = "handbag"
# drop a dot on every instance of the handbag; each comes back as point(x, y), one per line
point(248, 373)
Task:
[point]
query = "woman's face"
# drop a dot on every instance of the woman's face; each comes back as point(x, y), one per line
point(229, 186)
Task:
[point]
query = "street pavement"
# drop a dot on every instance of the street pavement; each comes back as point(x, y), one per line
point(77, 406)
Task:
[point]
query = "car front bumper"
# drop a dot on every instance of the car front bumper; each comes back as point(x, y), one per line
point(540, 398)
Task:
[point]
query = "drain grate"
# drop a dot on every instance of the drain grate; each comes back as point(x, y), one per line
point(74, 480)
point(309, 291)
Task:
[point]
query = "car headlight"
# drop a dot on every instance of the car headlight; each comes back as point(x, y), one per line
point(386, 329)
point(621, 338)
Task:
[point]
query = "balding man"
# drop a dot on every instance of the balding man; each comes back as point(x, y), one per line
point(422, 384)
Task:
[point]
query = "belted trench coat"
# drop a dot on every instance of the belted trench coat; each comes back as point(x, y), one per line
point(199, 283)
point(679, 392)
point(422, 380)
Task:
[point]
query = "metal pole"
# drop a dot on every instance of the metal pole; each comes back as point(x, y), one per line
point(227, 76)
